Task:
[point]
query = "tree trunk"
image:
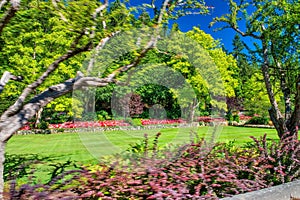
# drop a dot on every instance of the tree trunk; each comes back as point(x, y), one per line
point(191, 113)
point(278, 123)
point(2, 159)
point(38, 117)
point(285, 127)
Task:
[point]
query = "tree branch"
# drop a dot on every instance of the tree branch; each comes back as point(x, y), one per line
point(265, 70)
point(60, 14)
point(151, 44)
point(100, 45)
point(97, 11)
point(296, 113)
point(6, 77)
point(246, 34)
point(2, 3)
point(28, 90)
point(18, 114)
point(10, 13)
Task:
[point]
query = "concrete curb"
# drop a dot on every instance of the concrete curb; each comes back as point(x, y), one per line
point(280, 192)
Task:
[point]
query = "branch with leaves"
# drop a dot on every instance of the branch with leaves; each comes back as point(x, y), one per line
point(10, 12)
point(273, 24)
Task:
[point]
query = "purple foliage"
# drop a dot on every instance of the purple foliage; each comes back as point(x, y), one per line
point(192, 171)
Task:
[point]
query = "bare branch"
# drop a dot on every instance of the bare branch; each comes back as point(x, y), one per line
point(60, 14)
point(97, 11)
point(136, 61)
point(29, 110)
point(163, 10)
point(296, 113)
point(100, 9)
point(10, 13)
point(2, 3)
point(246, 34)
point(6, 77)
point(151, 44)
point(100, 45)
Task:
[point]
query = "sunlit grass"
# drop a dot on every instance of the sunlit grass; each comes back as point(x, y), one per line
point(84, 147)
point(89, 147)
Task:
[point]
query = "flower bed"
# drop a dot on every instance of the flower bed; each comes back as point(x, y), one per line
point(122, 123)
point(208, 119)
point(163, 121)
point(107, 123)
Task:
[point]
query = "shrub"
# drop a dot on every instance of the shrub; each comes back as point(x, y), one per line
point(43, 125)
point(102, 115)
point(229, 117)
point(191, 171)
point(136, 122)
point(258, 120)
point(236, 118)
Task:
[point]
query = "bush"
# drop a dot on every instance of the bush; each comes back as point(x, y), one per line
point(43, 125)
point(192, 171)
point(236, 118)
point(229, 117)
point(258, 120)
point(102, 115)
point(134, 122)
point(137, 122)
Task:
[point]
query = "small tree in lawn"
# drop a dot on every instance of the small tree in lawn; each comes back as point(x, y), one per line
point(274, 28)
point(87, 25)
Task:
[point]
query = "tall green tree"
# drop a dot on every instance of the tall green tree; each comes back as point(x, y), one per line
point(274, 26)
point(85, 24)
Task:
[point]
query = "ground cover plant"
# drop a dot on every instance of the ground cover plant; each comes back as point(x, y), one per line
point(192, 171)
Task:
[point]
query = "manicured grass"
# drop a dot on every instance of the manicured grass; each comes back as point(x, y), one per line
point(88, 147)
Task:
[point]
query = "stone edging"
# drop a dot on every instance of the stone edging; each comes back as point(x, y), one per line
point(279, 192)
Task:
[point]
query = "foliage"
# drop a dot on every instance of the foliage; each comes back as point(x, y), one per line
point(236, 118)
point(274, 29)
point(258, 120)
point(251, 94)
point(190, 171)
point(102, 115)
point(19, 166)
point(43, 125)
point(32, 40)
point(230, 117)
point(134, 121)
point(158, 81)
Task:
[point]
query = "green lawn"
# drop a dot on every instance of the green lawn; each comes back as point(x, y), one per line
point(86, 147)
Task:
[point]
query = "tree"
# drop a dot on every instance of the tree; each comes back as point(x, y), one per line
point(85, 23)
point(39, 40)
point(275, 25)
point(250, 95)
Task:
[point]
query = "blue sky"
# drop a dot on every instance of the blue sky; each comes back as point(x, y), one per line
point(188, 22)
point(220, 7)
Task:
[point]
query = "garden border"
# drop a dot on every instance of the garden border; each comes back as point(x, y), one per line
point(280, 192)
